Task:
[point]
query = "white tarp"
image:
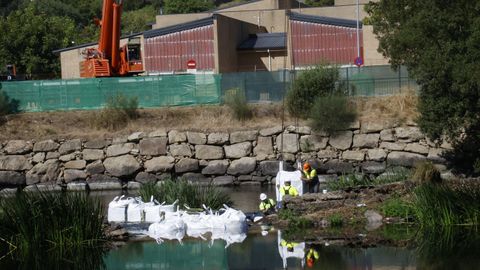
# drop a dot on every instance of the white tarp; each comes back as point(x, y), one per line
point(294, 177)
point(298, 251)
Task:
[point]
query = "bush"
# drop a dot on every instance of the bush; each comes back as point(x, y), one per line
point(7, 106)
point(332, 113)
point(118, 111)
point(336, 220)
point(236, 100)
point(426, 172)
point(396, 207)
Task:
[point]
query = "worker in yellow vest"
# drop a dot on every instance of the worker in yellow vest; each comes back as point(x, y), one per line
point(289, 245)
point(310, 177)
point(312, 256)
point(267, 205)
point(288, 189)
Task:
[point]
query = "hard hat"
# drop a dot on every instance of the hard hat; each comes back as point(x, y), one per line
point(306, 166)
point(263, 196)
point(310, 262)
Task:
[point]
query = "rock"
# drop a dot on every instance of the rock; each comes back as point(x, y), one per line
point(435, 155)
point(39, 157)
point(250, 183)
point(197, 178)
point(218, 138)
point(196, 138)
point(405, 159)
point(376, 154)
point(374, 220)
point(14, 163)
point(260, 179)
point(97, 144)
point(353, 155)
point(416, 148)
point(95, 167)
point(158, 133)
point(238, 150)
point(288, 157)
point(336, 166)
point(44, 172)
point(94, 154)
point(175, 136)
point(77, 186)
point(119, 149)
point(45, 146)
point(387, 135)
point(446, 144)
point(393, 146)
point(409, 133)
point(311, 143)
point(42, 188)
point(153, 146)
point(365, 140)
point(208, 152)
point(132, 185)
point(327, 154)
point(374, 167)
point(354, 125)
point(225, 180)
point(159, 164)
point(264, 146)
point(74, 175)
point(70, 146)
point(374, 126)
point(9, 178)
point(216, 167)
point(76, 164)
point(68, 157)
point(18, 147)
point(269, 167)
point(271, 131)
point(53, 155)
point(341, 141)
point(244, 165)
point(243, 178)
point(180, 150)
point(96, 184)
point(136, 136)
point(7, 192)
point(121, 166)
point(143, 177)
point(287, 143)
point(186, 165)
point(243, 136)
point(120, 140)
point(299, 130)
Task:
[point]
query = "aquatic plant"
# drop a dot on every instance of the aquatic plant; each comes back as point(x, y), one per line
point(186, 193)
point(335, 220)
point(347, 181)
point(426, 172)
point(397, 207)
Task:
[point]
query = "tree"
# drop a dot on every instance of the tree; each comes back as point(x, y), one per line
point(187, 6)
point(137, 20)
point(320, 3)
point(439, 42)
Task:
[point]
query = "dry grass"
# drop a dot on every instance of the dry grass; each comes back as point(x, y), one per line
point(76, 124)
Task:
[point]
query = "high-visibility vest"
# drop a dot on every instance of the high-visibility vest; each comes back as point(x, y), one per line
point(292, 191)
point(266, 205)
point(286, 244)
point(310, 175)
point(312, 253)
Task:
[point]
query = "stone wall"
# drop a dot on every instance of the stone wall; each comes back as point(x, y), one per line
point(236, 158)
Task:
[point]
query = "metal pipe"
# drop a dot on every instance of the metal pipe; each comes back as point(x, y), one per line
point(358, 30)
point(269, 60)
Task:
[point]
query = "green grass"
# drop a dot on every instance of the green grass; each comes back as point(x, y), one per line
point(426, 172)
point(118, 111)
point(397, 207)
point(236, 100)
point(186, 193)
point(347, 181)
point(335, 220)
point(297, 226)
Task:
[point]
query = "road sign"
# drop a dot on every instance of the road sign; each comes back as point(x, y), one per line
point(191, 64)
point(359, 61)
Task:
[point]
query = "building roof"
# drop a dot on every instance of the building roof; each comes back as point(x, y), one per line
point(178, 27)
point(324, 20)
point(263, 41)
point(91, 44)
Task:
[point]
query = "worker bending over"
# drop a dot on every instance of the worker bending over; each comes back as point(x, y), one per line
point(312, 256)
point(309, 176)
point(267, 205)
point(288, 189)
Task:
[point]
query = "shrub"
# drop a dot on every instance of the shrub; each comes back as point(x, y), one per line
point(335, 220)
point(426, 172)
point(332, 113)
point(236, 100)
point(7, 106)
point(396, 207)
point(118, 111)
point(348, 181)
point(393, 174)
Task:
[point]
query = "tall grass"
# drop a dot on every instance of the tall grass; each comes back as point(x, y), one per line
point(118, 111)
point(186, 193)
point(397, 207)
point(426, 172)
point(236, 100)
point(347, 181)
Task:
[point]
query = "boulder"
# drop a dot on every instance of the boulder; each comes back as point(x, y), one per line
point(243, 136)
point(208, 152)
point(70, 146)
point(260, 179)
point(393, 146)
point(95, 167)
point(159, 164)
point(226, 180)
point(10, 178)
point(196, 138)
point(77, 186)
point(311, 143)
point(374, 126)
point(327, 154)
point(243, 178)
point(136, 136)
point(341, 141)
point(74, 175)
point(97, 144)
point(18, 147)
point(120, 140)
point(119, 149)
point(153, 146)
point(76, 164)
point(121, 166)
point(264, 146)
point(416, 148)
point(435, 155)
point(38, 157)
point(68, 157)
point(405, 159)
point(44, 172)
point(336, 166)
point(376, 154)
point(53, 155)
point(49, 187)
point(176, 136)
point(271, 131)
point(14, 163)
point(216, 167)
point(269, 167)
point(102, 178)
point(374, 167)
point(299, 130)
point(94, 154)
point(387, 135)
point(366, 140)
point(144, 177)
point(238, 150)
point(180, 150)
point(409, 133)
point(287, 143)
point(374, 220)
point(158, 133)
point(186, 165)
point(353, 155)
point(218, 138)
point(133, 185)
point(244, 165)
point(45, 146)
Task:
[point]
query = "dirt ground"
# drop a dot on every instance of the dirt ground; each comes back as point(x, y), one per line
point(212, 118)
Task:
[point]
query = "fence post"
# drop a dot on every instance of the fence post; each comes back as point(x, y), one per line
point(400, 79)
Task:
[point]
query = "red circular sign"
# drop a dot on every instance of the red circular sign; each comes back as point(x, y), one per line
point(191, 64)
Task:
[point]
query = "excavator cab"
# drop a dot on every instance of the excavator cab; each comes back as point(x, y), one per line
point(11, 72)
point(134, 56)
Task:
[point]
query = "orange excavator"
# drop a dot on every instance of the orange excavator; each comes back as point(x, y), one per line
point(109, 59)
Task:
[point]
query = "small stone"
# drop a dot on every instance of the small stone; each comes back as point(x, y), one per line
point(208, 152)
point(76, 164)
point(376, 154)
point(287, 143)
point(66, 158)
point(95, 168)
point(238, 150)
point(416, 148)
point(121, 166)
point(119, 149)
point(53, 155)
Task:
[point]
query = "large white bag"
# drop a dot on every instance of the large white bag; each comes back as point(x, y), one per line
point(117, 209)
point(135, 210)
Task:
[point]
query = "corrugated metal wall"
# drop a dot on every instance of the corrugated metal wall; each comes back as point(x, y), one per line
point(171, 52)
point(313, 43)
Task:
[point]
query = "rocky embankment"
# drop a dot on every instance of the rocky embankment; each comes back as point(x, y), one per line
point(237, 158)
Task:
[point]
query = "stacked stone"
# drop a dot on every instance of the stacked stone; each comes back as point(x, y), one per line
point(238, 158)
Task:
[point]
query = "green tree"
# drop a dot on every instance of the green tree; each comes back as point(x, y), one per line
point(137, 20)
point(187, 6)
point(320, 3)
point(439, 42)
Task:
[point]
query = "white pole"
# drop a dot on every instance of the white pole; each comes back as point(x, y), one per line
point(358, 30)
